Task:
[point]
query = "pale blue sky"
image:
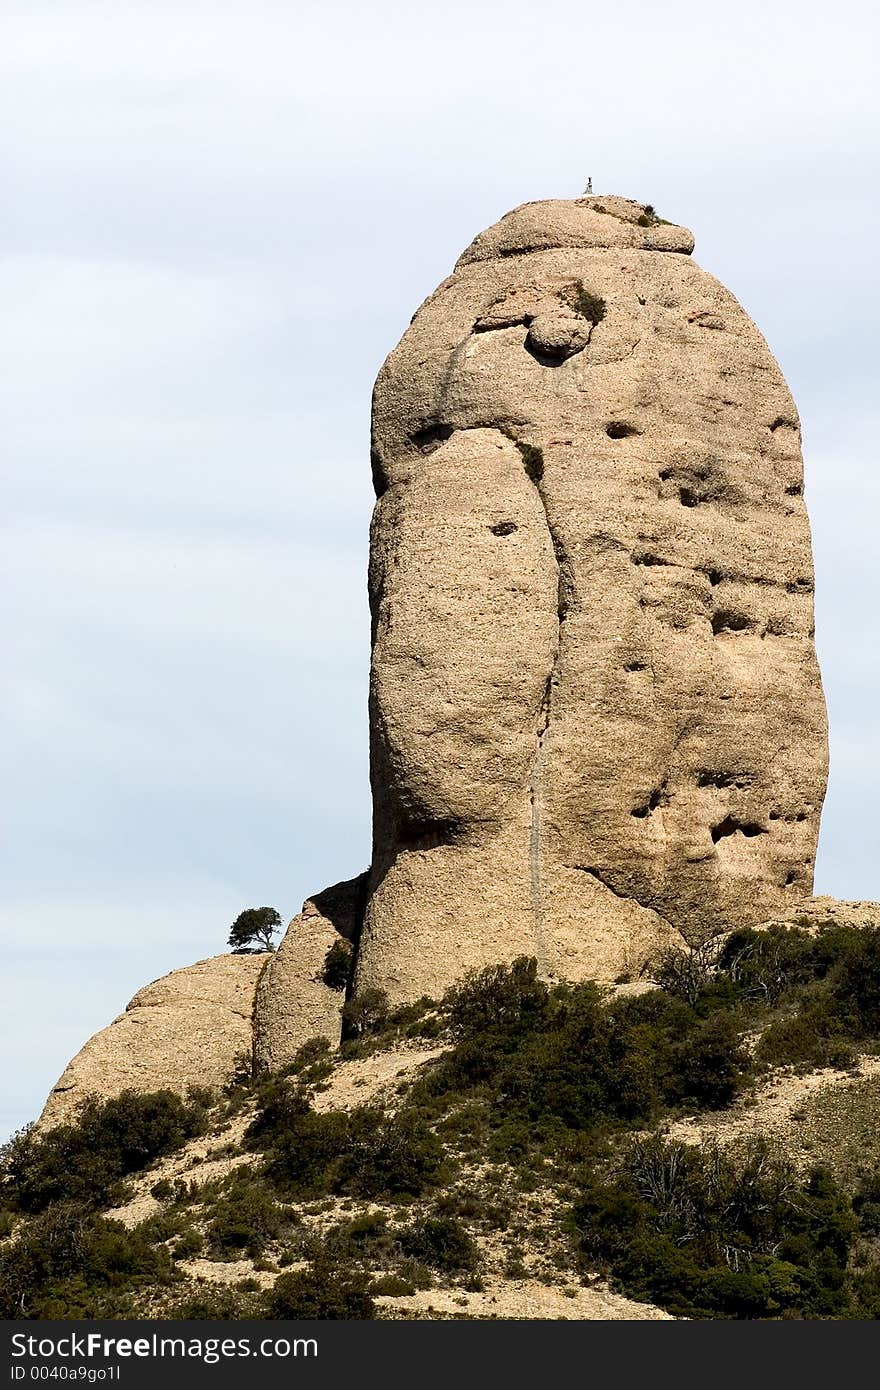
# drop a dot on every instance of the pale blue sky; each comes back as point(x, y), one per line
point(218, 219)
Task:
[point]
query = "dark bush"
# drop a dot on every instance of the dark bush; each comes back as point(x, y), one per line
point(708, 1066)
point(505, 1000)
point(366, 1013)
point(243, 1220)
point(321, 1291)
point(216, 1303)
point(589, 306)
point(545, 1062)
point(812, 1037)
point(70, 1263)
point(337, 964)
point(709, 1235)
point(85, 1159)
point(361, 1151)
point(440, 1242)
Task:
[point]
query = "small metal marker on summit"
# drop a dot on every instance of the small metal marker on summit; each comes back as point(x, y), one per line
point(589, 189)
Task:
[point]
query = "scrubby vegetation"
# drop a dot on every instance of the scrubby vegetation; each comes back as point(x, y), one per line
point(85, 1160)
point(707, 1234)
point(337, 964)
point(70, 1263)
point(590, 306)
point(547, 1110)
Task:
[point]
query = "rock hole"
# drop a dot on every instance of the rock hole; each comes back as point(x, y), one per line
point(800, 586)
point(429, 834)
point(783, 422)
point(645, 557)
point(726, 620)
point(791, 877)
point(664, 474)
point(503, 528)
point(431, 436)
point(708, 778)
point(635, 666)
point(619, 429)
point(688, 498)
point(657, 798)
point(730, 825)
point(794, 490)
point(714, 577)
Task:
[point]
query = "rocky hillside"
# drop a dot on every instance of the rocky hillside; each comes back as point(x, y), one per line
point(698, 1144)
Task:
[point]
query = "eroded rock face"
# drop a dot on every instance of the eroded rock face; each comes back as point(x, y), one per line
point(293, 1003)
point(597, 720)
point(190, 1028)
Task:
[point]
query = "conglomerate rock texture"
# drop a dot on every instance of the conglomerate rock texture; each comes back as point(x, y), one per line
point(190, 1028)
point(597, 719)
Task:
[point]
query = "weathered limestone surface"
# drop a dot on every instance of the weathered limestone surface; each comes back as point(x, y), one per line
point(190, 1028)
point(293, 1004)
point(597, 717)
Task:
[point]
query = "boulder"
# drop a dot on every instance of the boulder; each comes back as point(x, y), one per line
point(189, 1028)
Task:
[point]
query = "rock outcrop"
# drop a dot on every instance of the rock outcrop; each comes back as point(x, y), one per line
point(190, 1028)
point(597, 717)
point(293, 1003)
point(597, 721)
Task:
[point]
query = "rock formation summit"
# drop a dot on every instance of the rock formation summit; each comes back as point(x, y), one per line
point(596, 711)
point(596, 716)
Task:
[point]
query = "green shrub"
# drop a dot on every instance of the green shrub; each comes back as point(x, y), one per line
point(69, 1263)
point(441, 1242)
point(708, 1066)
point(505, 1000)
point(362, 1151)
point(366, 1013)
point(321, 1291)
point(189, 1243)
point(391, 1285)
point(337, 964)
point(86, 1158)
point(243, 1220)
point(707, 1234)
point(812, 1037)
point(536, 1064)
point(215, 1303)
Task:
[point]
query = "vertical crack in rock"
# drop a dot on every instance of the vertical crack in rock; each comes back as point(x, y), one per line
point(545, 715)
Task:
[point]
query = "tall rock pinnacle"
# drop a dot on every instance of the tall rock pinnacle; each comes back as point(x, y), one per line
point(597, 720)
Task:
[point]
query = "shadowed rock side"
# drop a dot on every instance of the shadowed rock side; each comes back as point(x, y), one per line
point(190, 1028)
point(596, 711)
point(293, 1004)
